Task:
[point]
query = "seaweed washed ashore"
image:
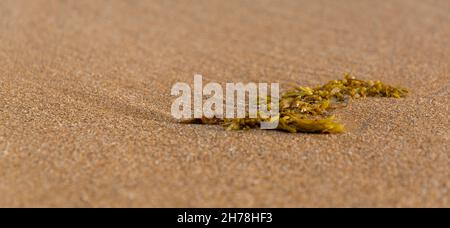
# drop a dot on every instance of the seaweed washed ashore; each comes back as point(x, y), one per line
point(308, 110)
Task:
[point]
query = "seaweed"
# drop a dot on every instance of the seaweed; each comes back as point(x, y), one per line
point(308, 110)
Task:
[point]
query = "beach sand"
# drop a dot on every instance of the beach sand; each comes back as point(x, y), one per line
point(85, 103)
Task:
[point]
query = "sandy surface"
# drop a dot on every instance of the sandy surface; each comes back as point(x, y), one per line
point(85, 106)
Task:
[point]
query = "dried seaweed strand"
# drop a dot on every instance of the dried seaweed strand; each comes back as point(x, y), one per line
point(305, 109)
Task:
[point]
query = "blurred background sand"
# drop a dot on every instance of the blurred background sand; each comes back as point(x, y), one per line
point(85, 103)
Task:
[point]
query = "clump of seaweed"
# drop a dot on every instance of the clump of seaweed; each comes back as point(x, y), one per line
point(305, 109)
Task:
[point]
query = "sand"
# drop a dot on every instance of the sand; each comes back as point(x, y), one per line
point(85, 103)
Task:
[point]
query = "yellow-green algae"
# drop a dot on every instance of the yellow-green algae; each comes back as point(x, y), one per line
point(305, 109)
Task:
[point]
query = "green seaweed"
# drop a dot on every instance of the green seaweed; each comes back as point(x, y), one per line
point(305, 109)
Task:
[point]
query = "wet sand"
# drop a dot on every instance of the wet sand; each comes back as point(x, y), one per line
point(85, 103)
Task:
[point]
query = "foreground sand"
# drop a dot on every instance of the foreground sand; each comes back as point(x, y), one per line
point(85, 106)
